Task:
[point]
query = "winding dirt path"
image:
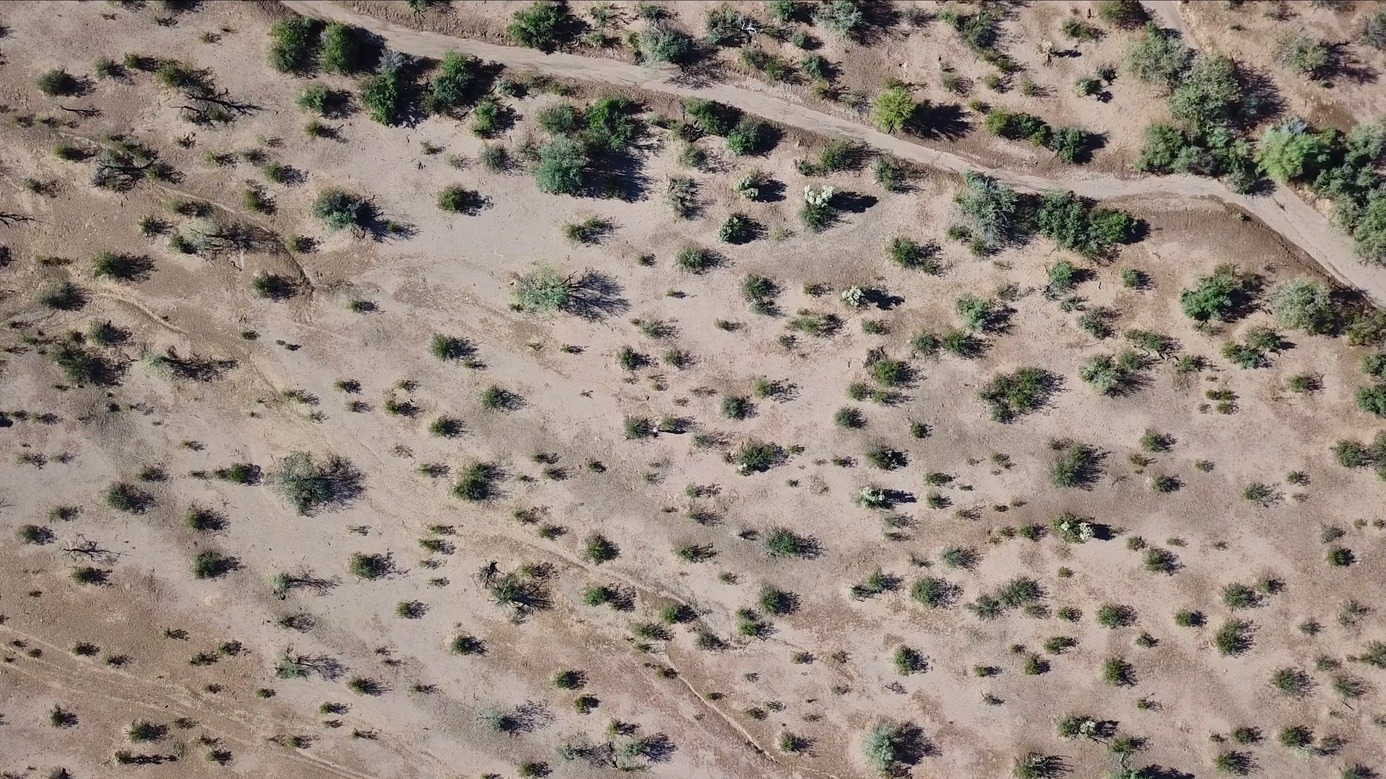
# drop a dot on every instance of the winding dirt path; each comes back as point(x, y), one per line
point(1282, 211)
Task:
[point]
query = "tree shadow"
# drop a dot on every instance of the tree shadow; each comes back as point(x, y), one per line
point(1343, 62)
point(940, 122)
point(594, 296)
point(1261, 98)
point(853, 202)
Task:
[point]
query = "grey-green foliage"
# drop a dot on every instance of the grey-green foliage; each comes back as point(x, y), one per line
point(542, 291)
point(561, 168)
point(885, 747)
point(1305, 304)
point(989, 210)
point(1158, 56)
point(310, 484)
point(1303, 53)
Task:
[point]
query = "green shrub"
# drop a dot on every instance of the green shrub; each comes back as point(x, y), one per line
point(58, 83)
point(1372, 399)
point(1223, 296)
point(339, 209)
point(844, 17)
point(311, 485)
point(887, 748)
point(979, 31)
point(598, 549)
point(781, 542)
point(660, 43)
point(370, 566)
point(749, 136)
point(339, 52)
point(990, 211)
point(454, 84)
point(543, 25)
point(460, 200)
point(710, 116)
point(213, 565)
point(121, 267)
point(1303, 54)
point(1209, 94)
point(611, 125)
point(1115, 615)
point(934, 592)
point(562, 167)
point(1126, 14)
point(383, 96)
point(1077, 465)
point(294, 44)
point(1159, 56)
point(1290, 152)
point(696, 260)
point(474, 484)
point(908, 253)
point(908, 660)
point(894, 109)
point(1305, 304)
point(1009, 396)
point(542, 291)
point(737, 229)
point(1076, 223)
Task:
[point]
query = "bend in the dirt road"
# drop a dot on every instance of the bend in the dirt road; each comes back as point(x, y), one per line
point(1282, 211)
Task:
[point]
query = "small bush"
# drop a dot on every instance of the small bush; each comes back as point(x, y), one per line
point(370, 566)
point(749, 136)
point(474, 484)
point(696, 260)
point(213, 565)
point(338, 209)
point(1115, 615)
point(599, 549)
point(58, 83)
point(781, 542)
point(460, 200)
point(1225, 295)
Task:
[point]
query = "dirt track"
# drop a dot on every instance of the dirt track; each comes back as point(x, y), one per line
point(1281, 211)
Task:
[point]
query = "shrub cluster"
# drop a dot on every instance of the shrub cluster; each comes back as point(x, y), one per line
point(1070, 144)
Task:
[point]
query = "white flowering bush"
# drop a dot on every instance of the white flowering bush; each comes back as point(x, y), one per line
point(854, 296)
point(819, 198)
point(1074, 529)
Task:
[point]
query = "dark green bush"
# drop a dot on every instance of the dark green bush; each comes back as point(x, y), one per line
point(339, 52)
point(58, 83)
point(339, 209)
point(383, 96)
point(1224, 295)
point(294, 43)
point(454, 85)
point(545, 25)
point(1009, 396)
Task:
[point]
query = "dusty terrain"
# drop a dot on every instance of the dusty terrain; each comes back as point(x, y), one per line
point(161, 640)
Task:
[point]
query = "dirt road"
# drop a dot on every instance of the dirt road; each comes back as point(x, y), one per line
point(1282, 210)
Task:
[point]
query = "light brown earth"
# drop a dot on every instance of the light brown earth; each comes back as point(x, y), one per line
point(454, 276)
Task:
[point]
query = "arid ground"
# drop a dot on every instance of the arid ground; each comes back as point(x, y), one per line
point(459, 477)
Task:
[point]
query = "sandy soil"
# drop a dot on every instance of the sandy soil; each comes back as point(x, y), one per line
point(723, 711)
